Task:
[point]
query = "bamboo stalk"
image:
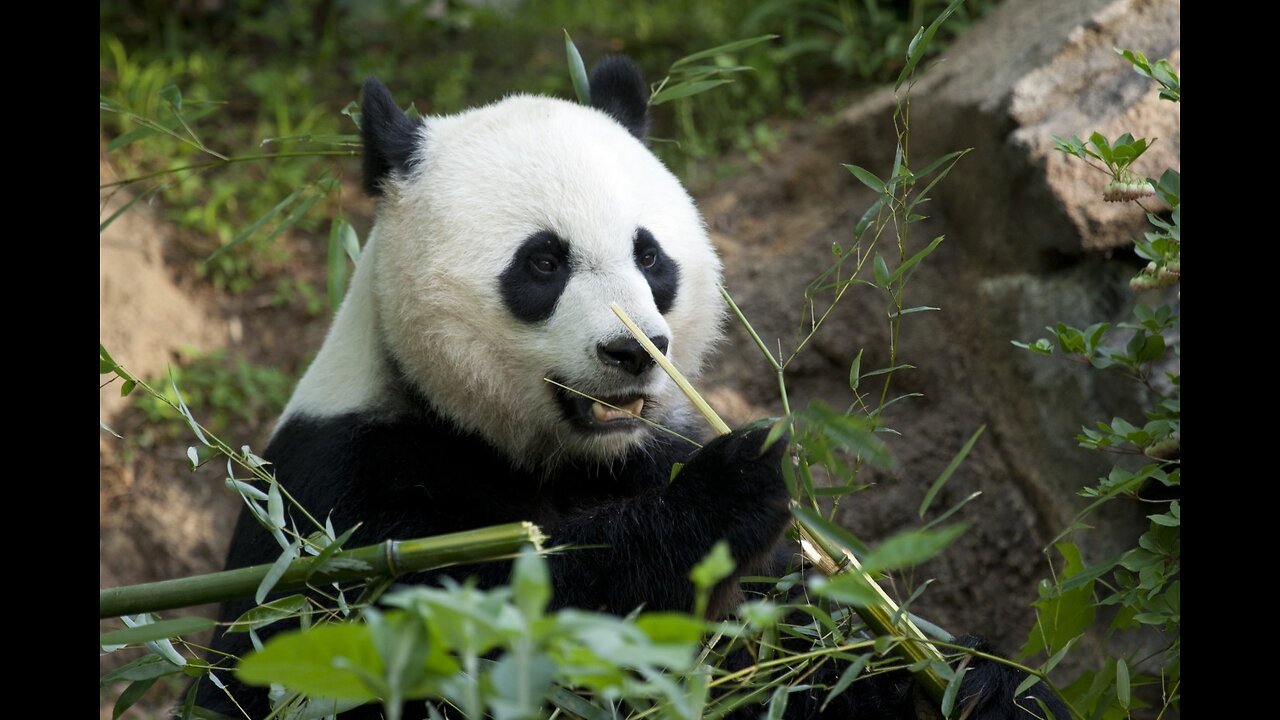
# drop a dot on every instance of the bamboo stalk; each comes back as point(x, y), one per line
point(915, 645)
point(389, 559)
point(671, 371)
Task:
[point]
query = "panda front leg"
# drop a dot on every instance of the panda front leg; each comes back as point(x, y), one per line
point(638, 551)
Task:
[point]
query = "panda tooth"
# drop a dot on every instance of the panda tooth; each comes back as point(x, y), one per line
point(602, 413)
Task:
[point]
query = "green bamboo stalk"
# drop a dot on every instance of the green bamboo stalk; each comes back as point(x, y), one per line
point(915, 645)
point(387, 559)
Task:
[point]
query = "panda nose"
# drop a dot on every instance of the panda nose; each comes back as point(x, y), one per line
point(627, 354)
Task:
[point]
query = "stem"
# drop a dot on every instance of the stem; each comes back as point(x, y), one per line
point(391, 558)
point(228, 161)
point(773, 362)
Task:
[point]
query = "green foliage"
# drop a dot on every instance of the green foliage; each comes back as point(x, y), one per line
point(223, 389)
point(499, 652)
point(1141, 587)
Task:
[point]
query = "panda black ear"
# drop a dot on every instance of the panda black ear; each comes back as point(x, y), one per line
point(618, 88)
point(390, 137)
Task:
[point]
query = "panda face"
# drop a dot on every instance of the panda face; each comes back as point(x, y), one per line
point(497, 253)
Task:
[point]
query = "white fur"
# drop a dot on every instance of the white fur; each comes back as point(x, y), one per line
point(428, 279)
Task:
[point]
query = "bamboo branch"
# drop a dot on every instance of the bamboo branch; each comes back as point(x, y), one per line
point(915, 646)
point(387, 559)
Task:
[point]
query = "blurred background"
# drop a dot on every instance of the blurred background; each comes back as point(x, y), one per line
point(223, 275)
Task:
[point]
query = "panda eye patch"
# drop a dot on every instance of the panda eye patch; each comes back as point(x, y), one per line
point(535, 276)
point(660, 270)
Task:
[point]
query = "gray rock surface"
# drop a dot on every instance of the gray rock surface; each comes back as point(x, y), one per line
point(1026, 244)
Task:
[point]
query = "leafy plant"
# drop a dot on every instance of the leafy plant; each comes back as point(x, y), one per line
point(1142, 585)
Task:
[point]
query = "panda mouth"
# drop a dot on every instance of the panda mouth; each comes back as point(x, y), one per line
point(601, 414)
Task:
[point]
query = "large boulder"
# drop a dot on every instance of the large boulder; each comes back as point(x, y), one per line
point(1027, 244)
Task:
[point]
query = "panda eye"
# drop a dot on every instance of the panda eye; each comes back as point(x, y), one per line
point(648, 259)
point(545, 264)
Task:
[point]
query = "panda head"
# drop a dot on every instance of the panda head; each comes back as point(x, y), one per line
point(502, 236)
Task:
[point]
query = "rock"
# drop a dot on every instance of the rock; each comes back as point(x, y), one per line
point(1021, 226)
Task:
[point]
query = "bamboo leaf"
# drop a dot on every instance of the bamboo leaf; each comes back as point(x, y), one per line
point(308, 662)
point(131, 695)
point(277, 570)
point(949, 470)
point(721, 50)
point(914, 259)
point(159, 630)
point(253, 227)
point(144, 668)
point(855, 371)
point(846, 679)
point(1122, 683)
point(948, 704)
point(577, 71)
point(920, 43)
point(867, 177)
point(267, 613)
point(911, 548)
point(103, 424)
point(685, 89)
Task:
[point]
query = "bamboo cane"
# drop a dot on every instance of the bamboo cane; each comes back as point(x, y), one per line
point(388, 559)
point(821, 552)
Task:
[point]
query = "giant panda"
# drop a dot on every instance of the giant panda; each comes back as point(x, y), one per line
point(501, 236)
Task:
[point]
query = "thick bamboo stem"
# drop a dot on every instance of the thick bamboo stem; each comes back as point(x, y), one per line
point(386, 559)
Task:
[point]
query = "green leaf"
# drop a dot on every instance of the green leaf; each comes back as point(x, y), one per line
point(920, 43)
point(948, 704)
point(867, 177)
point(881, 271)
point(867, 217)
point(1122, 683)
point(343, 244)
point(714, 567)
point(131, 695)
point(144, 668)
point(253, 227)
point(854, 370)
point(685, 89)
point(846, 679)
point(305, 662)
point(172, 95)
point(159, 630)
point(911, 547)
point(667, 628)
point(120, 211)
point(577, 71)
point(722, 50)
point(531, 583)
point(949, 470)
point(128, 387)
point(276, 571)
point(275, 507)
point(271, 612)
point(914, 259)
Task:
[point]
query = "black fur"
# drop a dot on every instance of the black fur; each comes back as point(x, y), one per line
point(662, 271)
point(618, 88)
point(390, 137)
point(390, 475)
point(536, 276)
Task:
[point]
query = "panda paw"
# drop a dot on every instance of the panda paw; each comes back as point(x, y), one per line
point(736, 484)
point(987, 691)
